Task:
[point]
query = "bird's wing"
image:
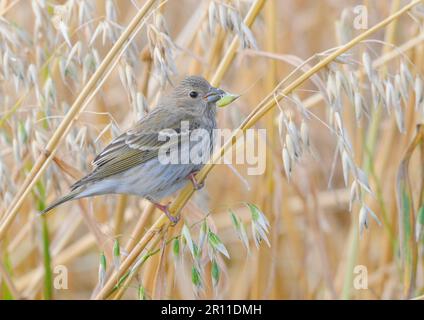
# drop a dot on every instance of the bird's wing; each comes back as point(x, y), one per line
point(138, 145)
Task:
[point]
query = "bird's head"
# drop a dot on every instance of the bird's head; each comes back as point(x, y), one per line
point(195, 90)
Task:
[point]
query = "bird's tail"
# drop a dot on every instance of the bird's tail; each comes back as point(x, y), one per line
point(72, 195)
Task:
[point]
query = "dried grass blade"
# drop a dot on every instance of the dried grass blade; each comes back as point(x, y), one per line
point(406, 211)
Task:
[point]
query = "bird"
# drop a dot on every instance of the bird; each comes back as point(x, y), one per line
point(132, 164)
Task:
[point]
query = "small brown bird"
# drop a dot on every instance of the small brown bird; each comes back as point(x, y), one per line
point(131, 163)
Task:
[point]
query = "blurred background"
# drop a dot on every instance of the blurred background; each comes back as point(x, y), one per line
point(50, 49)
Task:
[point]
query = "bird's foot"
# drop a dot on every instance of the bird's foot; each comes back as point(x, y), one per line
point(165, 209)
point(196, 184)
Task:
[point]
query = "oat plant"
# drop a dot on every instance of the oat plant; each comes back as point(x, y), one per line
point(342, 106)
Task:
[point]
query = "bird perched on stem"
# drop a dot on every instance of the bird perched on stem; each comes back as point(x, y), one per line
point(132, 163)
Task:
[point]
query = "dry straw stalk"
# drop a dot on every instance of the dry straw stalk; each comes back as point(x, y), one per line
point(161, 222)
point(266, 105)
point(262, 109)
point(45, 158)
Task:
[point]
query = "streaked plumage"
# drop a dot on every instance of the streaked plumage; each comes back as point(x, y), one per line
point(130, 164)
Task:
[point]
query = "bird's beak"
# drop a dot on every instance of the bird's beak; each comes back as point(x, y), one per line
point(219, 96)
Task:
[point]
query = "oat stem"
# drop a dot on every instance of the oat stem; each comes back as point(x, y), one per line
point(232, 49)
point(45, 158)
point(122, 287)
point(8, 281)
point(262, 109)
point(185, 195)
point(48, 276)
point(158, 225)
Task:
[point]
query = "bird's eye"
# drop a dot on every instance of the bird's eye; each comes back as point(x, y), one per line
point(193, 94)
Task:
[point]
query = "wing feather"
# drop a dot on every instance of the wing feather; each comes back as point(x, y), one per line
point(136, 146)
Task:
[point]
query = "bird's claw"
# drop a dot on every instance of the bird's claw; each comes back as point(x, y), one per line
point(165, 209)
point(196, 185)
